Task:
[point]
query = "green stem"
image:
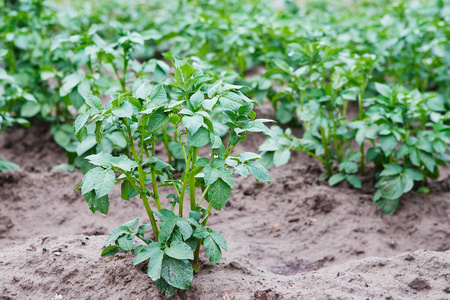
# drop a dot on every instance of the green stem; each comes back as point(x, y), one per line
point(328, 166)
point(125, 67)
point(155, 186)
point(192, 179)
point(12, 58)
point(166, 143)
point(203, 195)
point(208, 210)
point(363, 160)
point(148, 209)
point(185, 184)
point(335, 142)
point(141, 181)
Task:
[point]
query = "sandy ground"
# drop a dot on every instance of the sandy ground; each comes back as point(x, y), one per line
point(296, 238)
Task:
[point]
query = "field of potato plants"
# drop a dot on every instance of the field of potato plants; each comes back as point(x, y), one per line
point(225, 149)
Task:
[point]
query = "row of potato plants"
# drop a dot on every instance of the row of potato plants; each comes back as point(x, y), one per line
point(403, 133)
point(54, 54)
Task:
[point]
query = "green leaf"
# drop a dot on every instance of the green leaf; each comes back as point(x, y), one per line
point(94, 103)
point(192, 123)
point(388, 143)
point(110, 250)
point(197, 99)
point(391, 187)
point(199, 139)
point(423, 190)
point(79, 123)
point(97, 203)
point(30, 109)
point(354, 181)
point(132, 224)
point(232, 101)
point(143, 91)
point(124, 111)
point(99, 132)
point(158, 95)
point(336, 178)
point(69, 82)
point(157, 119)
point(383, 89)
point(247, 156)
point(436, 104)
point(177, 273)
point(281, 157)
point(167, 227)
point(6, 165)
point(360, 136)
point(391, 169)
point(87, 144)
point(98, 179)
point(179, 250)
point(428, 160)
point(258, 171)
point(126, 242)
point(147, 252)
point(101, 159)
point(219, 193)
point(219, 239)
point(388, 206)
point(439, 146)
point(142, 229)
point(155, 265)
point(166, 289)
point(125, 188)
point(64, 167)
point(124, 163)
point(116, 233)
point(212, 250)
point(185, 228)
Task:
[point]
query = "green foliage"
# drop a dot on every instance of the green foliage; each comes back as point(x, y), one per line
point(173, 253)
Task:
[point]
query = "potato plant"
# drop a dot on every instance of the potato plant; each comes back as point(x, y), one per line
point(173, 246)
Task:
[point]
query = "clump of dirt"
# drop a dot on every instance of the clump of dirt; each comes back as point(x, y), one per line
point(296, 238)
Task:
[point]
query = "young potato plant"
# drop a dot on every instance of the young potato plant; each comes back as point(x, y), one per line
point(410, 141)
point(319, 93)
point(172, 249)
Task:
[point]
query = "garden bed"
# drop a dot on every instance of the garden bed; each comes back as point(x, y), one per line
point(297, 238)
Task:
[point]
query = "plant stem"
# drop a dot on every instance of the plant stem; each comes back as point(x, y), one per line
point(197, 249)
point(361, 117)
point(326, 152)
point(125, 67)
point(155, 187)
point(12, 58)
point(146, 205)
point(192, 178)
point(185, 184)
point(166, 143)
point(141, 181)
point(203, 195)
point(363, 159)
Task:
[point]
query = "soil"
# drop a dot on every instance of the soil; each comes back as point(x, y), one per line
point(296, 238)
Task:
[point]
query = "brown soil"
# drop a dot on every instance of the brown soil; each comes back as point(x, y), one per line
point(296, 238)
